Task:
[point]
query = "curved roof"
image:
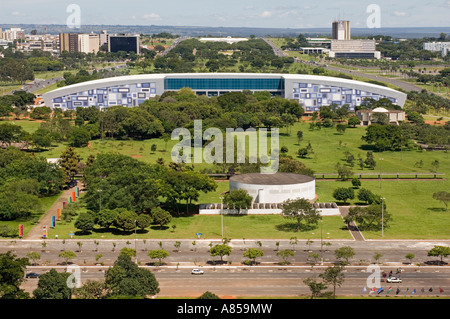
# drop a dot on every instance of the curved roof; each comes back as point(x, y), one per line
point(380, 110)
point(316, 79)
point(272, 179)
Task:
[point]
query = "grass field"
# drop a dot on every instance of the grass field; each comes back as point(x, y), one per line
point(415, 214)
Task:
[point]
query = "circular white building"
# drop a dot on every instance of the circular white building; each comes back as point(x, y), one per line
point(275, 188)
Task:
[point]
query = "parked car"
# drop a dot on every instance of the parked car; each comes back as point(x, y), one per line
point(197, 271)
point(32, 275)
point(394, 279)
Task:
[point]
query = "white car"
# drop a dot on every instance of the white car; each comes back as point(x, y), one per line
point(197, 271)
point(393, 279)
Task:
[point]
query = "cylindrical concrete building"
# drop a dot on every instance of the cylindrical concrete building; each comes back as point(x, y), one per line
point(275, 188)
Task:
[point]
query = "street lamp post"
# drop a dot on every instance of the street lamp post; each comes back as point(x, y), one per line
point(380, 173)
point(221, 212)
point(382, 217)
point(135, 240)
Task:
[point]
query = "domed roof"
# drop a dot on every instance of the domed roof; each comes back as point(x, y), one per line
point(272, 179)
point(380, 110)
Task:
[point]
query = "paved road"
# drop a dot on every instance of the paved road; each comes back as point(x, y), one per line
point(392, 251)
point(272, 281)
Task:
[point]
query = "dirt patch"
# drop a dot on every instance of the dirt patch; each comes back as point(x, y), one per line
point(136, 156)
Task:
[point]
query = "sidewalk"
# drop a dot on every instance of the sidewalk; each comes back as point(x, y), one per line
point(36, 232)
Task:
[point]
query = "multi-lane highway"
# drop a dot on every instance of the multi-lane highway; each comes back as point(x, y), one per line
point(234, 278)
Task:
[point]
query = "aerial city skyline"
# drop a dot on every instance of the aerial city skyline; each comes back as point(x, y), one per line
point(289, 14)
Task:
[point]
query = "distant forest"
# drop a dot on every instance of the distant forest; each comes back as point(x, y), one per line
point(196, 31)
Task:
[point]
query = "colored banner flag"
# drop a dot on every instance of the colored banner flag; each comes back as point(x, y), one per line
point(20, 230)
point(364, 289)
point(414, 291)
point(372, 290)
point(53, 221)
point(380, 290)
point(58, 214)
point(73, 197)
point(441, 290)
point(64, 204)
point(398, 291)
point(70, 199)
point(44, 230)
point(389, 290)
point(77, 192)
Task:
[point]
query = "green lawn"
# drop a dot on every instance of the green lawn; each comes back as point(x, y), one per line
point(29, 223)
point(237, 227)
point(415, 214)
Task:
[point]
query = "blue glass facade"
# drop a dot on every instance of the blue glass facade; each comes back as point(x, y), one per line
point(224, 84)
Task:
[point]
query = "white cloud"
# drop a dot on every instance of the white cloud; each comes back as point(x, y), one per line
point(266, 14)
point(401, 14)
point(17, 14)
point(152, 17)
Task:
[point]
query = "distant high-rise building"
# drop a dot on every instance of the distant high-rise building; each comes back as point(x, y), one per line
point(103, 37)
point(341, 30)
point(443, 47)
point(68, 42)
point(88, 43)
point(127, 43)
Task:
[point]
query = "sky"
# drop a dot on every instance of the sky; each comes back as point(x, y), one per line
point(230, 13)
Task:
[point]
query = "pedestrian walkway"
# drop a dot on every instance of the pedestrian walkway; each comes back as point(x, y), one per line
point(36, 232)
point(354, 230)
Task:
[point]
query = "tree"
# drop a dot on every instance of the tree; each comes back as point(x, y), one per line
point(34, 256)
point(126, 220)
point(334, 276)
point(302, 211)
point(341, 128)
point(356, 182)
point(161, 217)
point(344, 172)
point(208, 295)
point(285, 254)
point(353, 121)
point(92, 289)
point(220, 250)
point(410, 257)
point(53, 285)
point(12, 273)
point(366, 195)
point(79, 137)
point(315, 287)
point(238, 199)
point(143, 221)
point(67, 255)
point(106, 217)
point(442, 196)
point(159, 254)
point(68, 162)
point(344, 194)
point(85, 222)
point(439, 251)
point(11, 133)
point(252, 254)
point(125, 278)
point(370, 217)
point(370, 161)
point(41, 138)
point(346, 253)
